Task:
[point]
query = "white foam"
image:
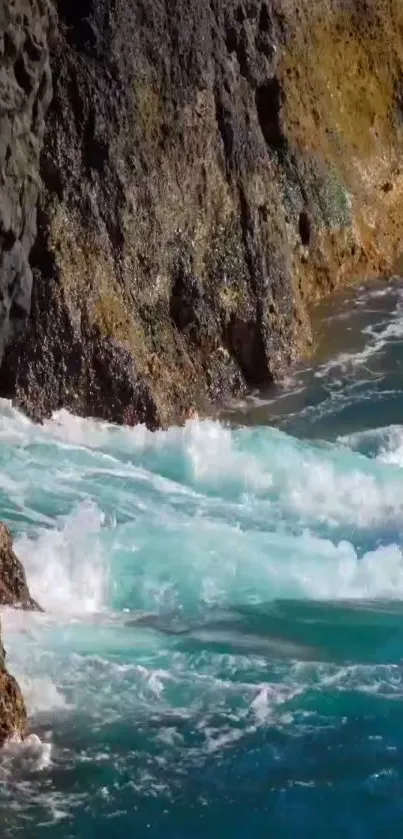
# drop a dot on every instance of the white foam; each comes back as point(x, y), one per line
point(385, 443)
point(304, 566)
point(204, 450)
point(391, 450)
point(344, 575)
point(41, 695)
point(321, 492)
point(248, 535)
point(30, 754)
point(66, 567)
point(270, 697)
point(378, 338)
point(211, 457)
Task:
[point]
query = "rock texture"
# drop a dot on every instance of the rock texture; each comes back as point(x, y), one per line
point(13, 592)
point(13, 715)
point(208, 169)
point(25, 92)
point(13, 584)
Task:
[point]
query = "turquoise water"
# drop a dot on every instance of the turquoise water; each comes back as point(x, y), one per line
point(221, 652)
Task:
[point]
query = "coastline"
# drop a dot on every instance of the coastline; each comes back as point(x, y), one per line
point(188, 219)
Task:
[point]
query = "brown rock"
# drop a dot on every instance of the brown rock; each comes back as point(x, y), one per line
point(13, 592)
point(13, 585)
point(13, 715)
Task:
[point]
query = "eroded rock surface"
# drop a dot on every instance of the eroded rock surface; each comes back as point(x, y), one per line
point(209, 169)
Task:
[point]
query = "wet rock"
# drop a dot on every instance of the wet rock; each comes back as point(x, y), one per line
point(13, 592)
point(13, 585)
point(13, 715)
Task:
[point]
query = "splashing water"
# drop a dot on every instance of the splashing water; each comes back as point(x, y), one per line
point(220, 652)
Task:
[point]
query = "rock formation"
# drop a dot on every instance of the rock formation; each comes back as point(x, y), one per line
point(13, 585)
point(208, 170)
point(13, 592)
point(13, 716)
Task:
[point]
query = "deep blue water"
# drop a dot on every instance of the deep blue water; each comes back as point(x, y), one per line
point(221, 651)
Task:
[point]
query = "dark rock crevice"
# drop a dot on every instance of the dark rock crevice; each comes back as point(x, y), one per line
point(268, 105)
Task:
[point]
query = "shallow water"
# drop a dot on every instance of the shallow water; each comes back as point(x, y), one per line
point(221, 652)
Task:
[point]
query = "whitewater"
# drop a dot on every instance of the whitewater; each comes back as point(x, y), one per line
point(221, 648)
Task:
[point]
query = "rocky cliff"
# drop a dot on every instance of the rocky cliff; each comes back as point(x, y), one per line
point(25, 92)
point(208, 169)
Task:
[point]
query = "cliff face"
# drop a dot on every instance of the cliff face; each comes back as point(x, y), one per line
point(208, 169)
point(25, 93)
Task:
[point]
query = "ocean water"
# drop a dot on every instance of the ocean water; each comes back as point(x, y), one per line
point(222, 642)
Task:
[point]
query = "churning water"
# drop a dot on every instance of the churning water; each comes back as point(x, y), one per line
point(221, 651)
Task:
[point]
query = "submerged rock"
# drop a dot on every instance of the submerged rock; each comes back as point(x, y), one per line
point(208, 170)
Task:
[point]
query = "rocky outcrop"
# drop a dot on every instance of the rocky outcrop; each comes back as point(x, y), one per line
point(209, 169)
point(13, 715)
point(13, 592)
point(13, 584)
